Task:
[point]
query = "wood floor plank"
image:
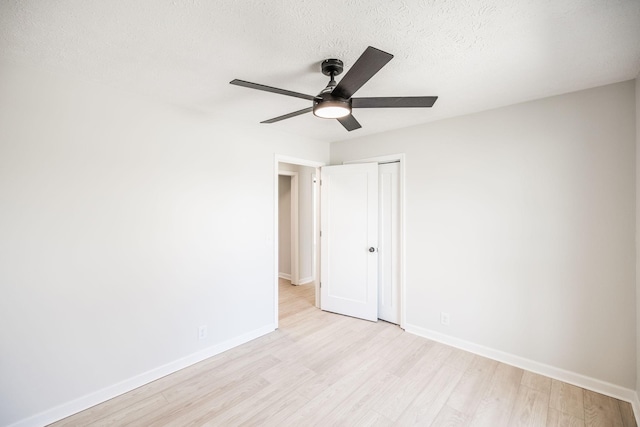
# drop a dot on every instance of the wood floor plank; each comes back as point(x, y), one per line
point(497, 404)
point(471, 388)
point(567, 398)
point(327, 358)
point(395, 347)
point(272, 400)
point(200, 410)
point(401, 364)
point(426, 406)
point(358, 403)
point(368, 357)
point(132, 413)
point(601, 410)
point(449, 417)
point(536, 382)
point(271, 405)
point(402, 392)
point(373, 419)
point(137, 397)
point(276, 416)
point(530, 409)
point(216, 379)
point(628, 420)
point(330, 397)
point(286, 408)
point(460, 359)
point(208, 394)
point(556, 418)
point(326, 338)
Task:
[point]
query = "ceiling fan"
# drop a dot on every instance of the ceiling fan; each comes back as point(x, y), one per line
point(335, 101)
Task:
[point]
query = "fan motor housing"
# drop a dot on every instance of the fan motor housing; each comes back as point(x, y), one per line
point(332, 67)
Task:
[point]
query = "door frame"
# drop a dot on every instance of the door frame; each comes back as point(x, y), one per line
point(400, 157)
point(279, 158)
point(294, 246)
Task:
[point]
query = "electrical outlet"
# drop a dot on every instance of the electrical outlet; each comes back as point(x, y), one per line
point(444, 318)
point(202, 332)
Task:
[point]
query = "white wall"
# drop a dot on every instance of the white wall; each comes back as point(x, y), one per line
point(520, 224)
point(120, 235)
point(284, 225)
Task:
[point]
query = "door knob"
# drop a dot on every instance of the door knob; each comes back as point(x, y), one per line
point(372, 249)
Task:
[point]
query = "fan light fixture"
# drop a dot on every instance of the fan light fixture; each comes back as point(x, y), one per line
point(332, 109)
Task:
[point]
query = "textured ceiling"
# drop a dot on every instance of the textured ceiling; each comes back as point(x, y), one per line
point(474, 54)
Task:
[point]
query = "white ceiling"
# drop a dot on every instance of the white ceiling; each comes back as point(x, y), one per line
point(474, 54)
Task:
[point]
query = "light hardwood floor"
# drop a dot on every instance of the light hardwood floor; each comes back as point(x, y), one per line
point(325, 369)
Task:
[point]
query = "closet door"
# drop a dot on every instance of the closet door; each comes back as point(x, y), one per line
point(349, 240)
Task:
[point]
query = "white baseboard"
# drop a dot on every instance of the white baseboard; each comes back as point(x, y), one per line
point(574, 378)
point(306, 280)
point(92, 399)
point(303, 281)
point(635, 404)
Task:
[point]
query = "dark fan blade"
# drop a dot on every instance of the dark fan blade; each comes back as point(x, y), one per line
point(369, 63)
point(394, 102)
point(349, 122)
point(288, 116)
point(271, 89)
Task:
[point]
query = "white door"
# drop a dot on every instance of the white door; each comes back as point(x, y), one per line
point(349, 240)
point(389, 242)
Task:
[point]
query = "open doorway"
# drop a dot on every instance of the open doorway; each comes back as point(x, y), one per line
point(296, 239)
point(288, 230)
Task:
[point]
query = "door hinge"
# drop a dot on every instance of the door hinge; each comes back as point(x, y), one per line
point(320, 233)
